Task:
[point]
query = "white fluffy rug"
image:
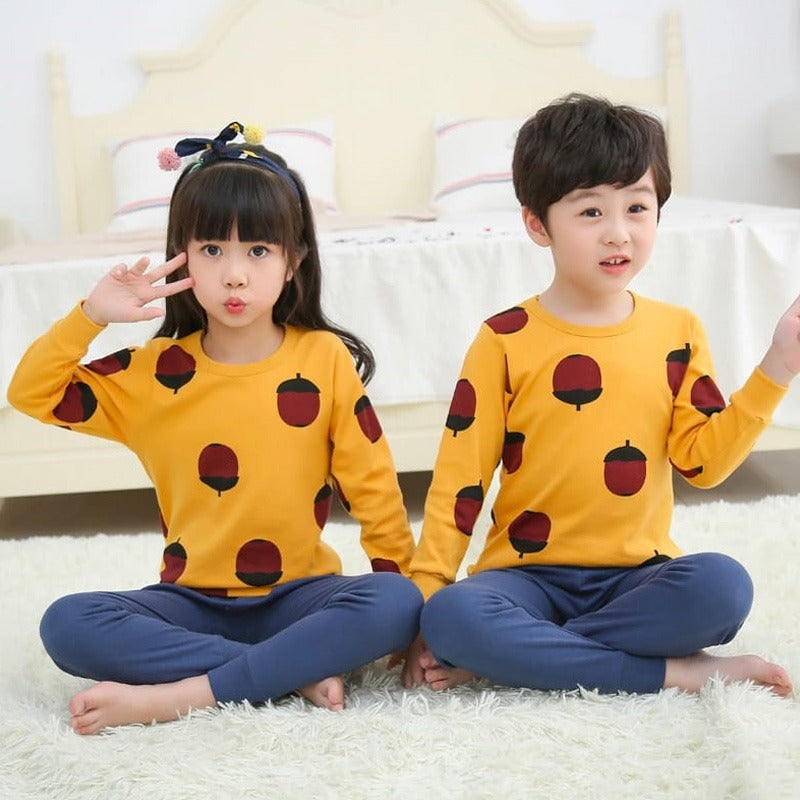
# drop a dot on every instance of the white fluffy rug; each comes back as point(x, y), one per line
point(480, 742)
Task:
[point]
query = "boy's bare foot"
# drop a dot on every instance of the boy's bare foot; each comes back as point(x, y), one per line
point(327, 693)
point(692, 672)
point(109, 704)
point(439, 677)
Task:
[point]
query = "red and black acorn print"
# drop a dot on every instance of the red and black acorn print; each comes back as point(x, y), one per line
point(108, 365)
point(658, 558)
point(577, 380)
point(625, 470)
point(367, 419)
point(509, 321)
point(77, 405)
point(175, 368)
point(322, 505)
point(529, 532)
point(258, 563)
point(706, 397)
point(174, 562)
point(512, 450)
point(384, 565)
point(677, 363)
point(687, 473)
point(218, 467)
point(462, 407)
point(298, 401)
point(469, 501)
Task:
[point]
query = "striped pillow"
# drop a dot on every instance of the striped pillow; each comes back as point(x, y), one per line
point(473, 164)
point(142, 189)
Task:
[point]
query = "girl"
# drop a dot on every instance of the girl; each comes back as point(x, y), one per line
point(248, 413)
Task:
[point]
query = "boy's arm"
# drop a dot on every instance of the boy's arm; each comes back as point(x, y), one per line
point(709, 439)
point(469, 452)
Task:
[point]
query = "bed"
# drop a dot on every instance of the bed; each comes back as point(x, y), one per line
point(400, 114)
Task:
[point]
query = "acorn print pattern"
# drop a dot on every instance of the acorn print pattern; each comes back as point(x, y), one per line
point(174, 562)
point(77, 405)
point(175, 368)
point(529, 532)
point(258, 563)
point(462, 407)
point(384, 565)
point(218, 467)
point(577, 380)
point(367, 419)
point(625, 470)
point(468, 504)
point(706, 397)
point(512, 450)
point(322, 505)
point(658, 558)
point(298, 401)
point(677, 364)
point(509, 321)
point(108, 365)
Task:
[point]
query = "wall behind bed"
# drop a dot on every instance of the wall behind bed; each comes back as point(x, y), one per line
point(741, 57)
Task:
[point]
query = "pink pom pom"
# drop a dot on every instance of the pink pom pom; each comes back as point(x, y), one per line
point(168, 159)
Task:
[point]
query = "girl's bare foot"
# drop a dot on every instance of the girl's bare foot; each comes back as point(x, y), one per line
point(109, 704)
point(439, 677)
point(327, 693)
point(692, 672)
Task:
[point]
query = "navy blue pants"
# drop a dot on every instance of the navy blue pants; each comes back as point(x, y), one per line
point(607, 629)
point(251, 648)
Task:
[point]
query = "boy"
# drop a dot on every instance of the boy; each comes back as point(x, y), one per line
point(589, 395)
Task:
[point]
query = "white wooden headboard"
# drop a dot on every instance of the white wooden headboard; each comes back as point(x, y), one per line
point(381, 68)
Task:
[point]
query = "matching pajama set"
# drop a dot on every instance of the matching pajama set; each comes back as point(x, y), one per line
point(246, 461)
point(579, 582)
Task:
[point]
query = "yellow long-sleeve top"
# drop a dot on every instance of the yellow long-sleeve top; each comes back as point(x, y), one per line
point(587, 424)
point(245, 458)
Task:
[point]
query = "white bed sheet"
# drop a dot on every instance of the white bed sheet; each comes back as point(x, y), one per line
point(417, 291)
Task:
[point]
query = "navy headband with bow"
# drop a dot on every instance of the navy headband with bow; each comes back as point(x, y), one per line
point(217, 149)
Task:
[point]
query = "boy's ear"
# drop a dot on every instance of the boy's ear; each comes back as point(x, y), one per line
point(535, 228)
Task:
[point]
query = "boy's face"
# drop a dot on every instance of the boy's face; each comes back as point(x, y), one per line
point(600, 237)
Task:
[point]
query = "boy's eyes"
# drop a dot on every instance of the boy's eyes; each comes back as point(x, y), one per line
point(636, 208)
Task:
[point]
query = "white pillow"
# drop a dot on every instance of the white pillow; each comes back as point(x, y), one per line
point(142, 189)
point(473, 163)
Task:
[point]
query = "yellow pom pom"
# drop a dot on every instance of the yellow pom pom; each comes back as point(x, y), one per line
point(253, 134)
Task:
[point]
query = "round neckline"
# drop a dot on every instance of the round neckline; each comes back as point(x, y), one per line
point(590, 331)
point(194, 344)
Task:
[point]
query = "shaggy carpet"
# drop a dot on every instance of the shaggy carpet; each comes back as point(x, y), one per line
point(735, 741)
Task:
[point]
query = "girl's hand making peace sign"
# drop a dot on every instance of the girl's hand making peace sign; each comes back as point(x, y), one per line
point(123, 293)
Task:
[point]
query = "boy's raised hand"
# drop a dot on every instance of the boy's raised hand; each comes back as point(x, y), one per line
point(123, 293)
point(782, 361)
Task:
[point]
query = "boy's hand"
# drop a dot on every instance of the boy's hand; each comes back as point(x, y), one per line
point(123, 293)
point(782, 361)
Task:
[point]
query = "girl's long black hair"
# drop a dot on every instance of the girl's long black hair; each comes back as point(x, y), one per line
point(211, 200)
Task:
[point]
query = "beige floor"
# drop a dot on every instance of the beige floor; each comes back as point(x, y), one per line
point(763, 473)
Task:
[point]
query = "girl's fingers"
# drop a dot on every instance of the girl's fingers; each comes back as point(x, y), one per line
point(175, 287)
point(140, 267)
point(168, 267)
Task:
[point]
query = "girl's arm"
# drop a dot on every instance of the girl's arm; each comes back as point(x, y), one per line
point(52, 386)
point(364, 471)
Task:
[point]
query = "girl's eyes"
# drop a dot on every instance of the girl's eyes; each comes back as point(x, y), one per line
point(258, 251)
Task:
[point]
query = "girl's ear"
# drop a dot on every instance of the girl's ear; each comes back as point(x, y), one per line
point(535, 228)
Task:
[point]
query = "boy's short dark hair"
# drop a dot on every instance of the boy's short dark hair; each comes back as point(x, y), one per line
point(579, 141)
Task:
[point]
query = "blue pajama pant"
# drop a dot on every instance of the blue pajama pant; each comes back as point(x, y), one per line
point(251, 648)
point(547, 627)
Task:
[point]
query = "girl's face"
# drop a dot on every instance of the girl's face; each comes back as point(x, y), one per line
point(237, 283)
